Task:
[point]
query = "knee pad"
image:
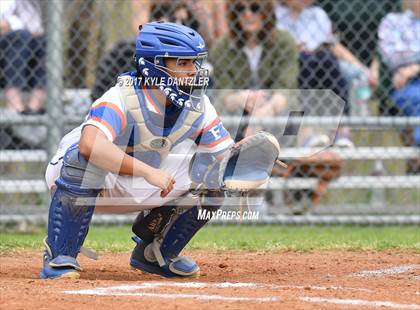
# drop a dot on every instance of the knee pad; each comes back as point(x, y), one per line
point(69, 218)
point(78, 176)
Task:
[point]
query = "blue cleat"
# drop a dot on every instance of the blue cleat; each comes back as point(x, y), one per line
point(60, 267)
point(49, 272)
point(142, 258)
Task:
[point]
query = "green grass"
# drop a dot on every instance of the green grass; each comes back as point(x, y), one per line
point(250, 238)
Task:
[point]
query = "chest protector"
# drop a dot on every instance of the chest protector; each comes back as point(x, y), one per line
point(151, 140)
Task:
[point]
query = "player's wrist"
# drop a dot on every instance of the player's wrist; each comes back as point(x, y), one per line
point(147, 172)
point(141, 169)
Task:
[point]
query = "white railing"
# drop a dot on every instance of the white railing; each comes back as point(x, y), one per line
point(395, 153)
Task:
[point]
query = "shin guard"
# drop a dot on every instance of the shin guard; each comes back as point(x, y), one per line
point(68, 222)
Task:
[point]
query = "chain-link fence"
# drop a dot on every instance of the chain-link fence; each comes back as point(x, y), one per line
point(271, 63)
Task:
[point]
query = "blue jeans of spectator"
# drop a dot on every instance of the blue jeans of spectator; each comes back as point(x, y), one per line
point(320, 70)
point(407, 99)
point(22, 59)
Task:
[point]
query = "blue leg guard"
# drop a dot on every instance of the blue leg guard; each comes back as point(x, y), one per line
point(161, 256)
point(68, 222)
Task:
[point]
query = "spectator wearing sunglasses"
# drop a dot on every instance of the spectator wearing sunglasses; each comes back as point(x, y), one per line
point(253, 59)
point(255, 67)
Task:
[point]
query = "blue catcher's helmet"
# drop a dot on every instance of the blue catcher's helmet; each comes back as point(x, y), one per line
point(159, 40)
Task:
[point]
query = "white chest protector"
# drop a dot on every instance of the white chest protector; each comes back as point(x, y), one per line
point(155, 141)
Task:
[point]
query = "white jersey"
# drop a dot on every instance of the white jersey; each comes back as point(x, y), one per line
point(109, 114)
point(128, 194)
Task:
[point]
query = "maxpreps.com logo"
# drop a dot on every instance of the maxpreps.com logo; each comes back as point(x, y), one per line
point(230, 215)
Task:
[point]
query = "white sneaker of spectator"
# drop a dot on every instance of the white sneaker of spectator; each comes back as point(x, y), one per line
point(319, 140)
point(343, 141)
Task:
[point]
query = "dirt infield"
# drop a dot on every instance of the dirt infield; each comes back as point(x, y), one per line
point(229, 280)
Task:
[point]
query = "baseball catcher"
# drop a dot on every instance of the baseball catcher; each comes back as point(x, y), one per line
point(124, 150)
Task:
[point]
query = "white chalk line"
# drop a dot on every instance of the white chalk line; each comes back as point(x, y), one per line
point(176, 296)
point(324, 288)
point(241, 285)
point(130, 290)
point(133, 290)
point(386, 271)
point(153, 285)
point(359, 302)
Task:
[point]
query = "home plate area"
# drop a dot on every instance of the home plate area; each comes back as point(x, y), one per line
point(228, 280)
point(261, 293)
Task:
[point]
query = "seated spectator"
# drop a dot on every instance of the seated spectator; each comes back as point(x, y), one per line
point(23, 54)
point(399, 47)
point(253, 58)
point(254, 67)
point(358, 33)
point(356, 23)
point(319, 52)
point(312, 30)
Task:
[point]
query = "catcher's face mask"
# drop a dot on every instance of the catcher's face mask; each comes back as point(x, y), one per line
point(188, 74)
point(183, 80)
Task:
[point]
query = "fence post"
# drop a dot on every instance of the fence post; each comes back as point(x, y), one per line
point(54, 63)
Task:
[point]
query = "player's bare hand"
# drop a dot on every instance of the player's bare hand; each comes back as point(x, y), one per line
point(161, 179)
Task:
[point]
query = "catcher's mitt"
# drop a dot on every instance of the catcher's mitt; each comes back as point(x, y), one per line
point(246, 166)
